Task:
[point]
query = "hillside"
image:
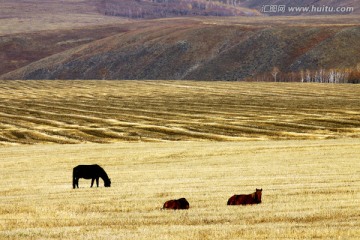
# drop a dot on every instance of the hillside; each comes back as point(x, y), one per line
point(202, 49)
point(25, 16)
point(31, 15)
point(43, 39)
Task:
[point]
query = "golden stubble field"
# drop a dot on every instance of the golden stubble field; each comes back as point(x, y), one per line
point(310, 190)
point(112, 111)
point(160, 140)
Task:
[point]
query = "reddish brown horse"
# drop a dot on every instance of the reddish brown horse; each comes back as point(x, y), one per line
point(243, 199)
point(180, 203)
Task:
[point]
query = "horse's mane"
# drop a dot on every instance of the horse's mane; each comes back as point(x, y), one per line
point(102, 173)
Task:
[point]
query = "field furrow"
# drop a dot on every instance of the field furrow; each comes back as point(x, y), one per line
point(110, 111)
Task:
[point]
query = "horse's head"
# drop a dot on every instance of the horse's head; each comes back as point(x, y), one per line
point(258, 195)
point(107, 183)
point(184, 204)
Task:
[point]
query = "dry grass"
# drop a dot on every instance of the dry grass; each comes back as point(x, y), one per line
point(47, 22)
point(309, 186)
point(112, 111)
point(177, 48)
point(310, 190)
point(25, 16)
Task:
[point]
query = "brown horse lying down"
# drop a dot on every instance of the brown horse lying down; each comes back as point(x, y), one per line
point(180, 203)
point(243, 199)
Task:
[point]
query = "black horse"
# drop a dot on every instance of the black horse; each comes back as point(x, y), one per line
point(90, 172)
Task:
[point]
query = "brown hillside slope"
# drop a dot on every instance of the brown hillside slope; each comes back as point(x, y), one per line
point(23, 16)
point(207, 49)
point(18, 50)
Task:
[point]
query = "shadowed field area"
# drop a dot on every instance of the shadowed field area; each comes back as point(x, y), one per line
point(310, 190)
point(112, 111)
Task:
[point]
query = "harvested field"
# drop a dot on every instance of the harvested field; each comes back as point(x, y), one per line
point(115, 111)
point(161, 140)
point(310, 190)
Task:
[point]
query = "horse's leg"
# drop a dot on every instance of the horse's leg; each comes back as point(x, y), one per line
point(97, 182)
point(76, 182)
point(92, 182)
point(75, 178)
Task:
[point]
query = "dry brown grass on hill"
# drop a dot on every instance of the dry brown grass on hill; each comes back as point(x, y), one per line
point(193, 49)
point(46, 22)
point(111, 111)
point(24, 16)
point(18, 50)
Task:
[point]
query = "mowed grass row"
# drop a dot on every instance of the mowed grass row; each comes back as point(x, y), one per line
point(112, 111)
point(310, 190)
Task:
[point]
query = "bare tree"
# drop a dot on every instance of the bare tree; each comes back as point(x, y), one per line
point(275, 72)
point(302, 75)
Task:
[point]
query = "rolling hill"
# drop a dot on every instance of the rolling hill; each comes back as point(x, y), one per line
point(42, 39)
point(193, 48)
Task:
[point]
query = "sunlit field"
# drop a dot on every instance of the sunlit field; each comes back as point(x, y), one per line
point(113, 111)
point(310, 190)
point(162, 140)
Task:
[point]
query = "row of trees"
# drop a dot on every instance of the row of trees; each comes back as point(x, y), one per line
point(344, 75)
point(169, 8)
point(207, 2)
